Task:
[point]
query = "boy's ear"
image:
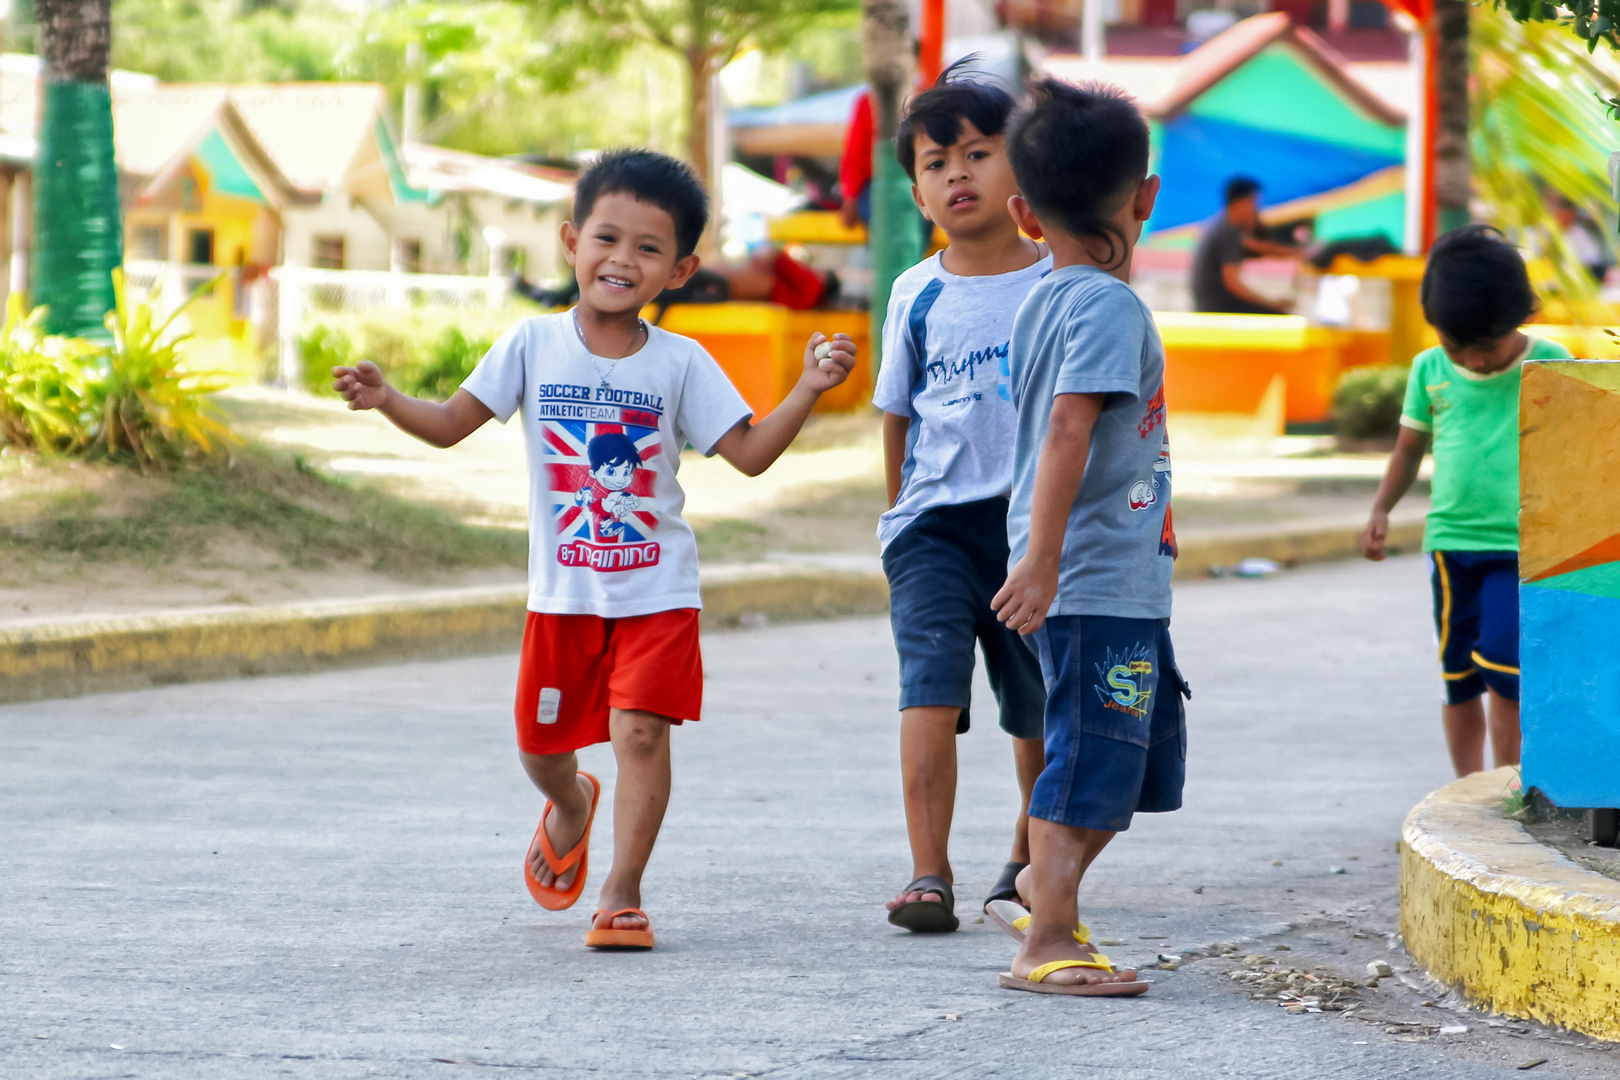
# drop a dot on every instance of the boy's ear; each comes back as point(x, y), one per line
point(684, 268)
point(916, 197)
point(1147, 194)
point(1025, 217)
point(570, 241)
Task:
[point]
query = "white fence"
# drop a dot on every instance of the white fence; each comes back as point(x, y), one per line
point(296, 291)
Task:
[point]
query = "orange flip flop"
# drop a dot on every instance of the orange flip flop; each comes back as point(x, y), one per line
point(609, 938)
point(549, 896)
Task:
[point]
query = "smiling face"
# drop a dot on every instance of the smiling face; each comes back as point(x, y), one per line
point(624, 254)
point(615, 475)
point(964, 187)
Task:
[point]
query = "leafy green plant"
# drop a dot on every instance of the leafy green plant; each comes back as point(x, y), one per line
point(43, 383)
point(147, 402)
point(1367, 402)
point(426, 351)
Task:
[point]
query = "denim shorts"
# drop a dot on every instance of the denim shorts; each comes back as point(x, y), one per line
point(944, 568)
point(1116, 723)
point(1476, 619)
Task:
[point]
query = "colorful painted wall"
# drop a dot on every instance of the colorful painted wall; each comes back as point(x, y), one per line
point(1569, 566)
point(1276, 118)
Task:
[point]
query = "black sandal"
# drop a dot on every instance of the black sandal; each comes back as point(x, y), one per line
point(927, 916)
point(1006, 886)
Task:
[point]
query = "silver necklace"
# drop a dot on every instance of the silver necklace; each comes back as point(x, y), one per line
point(602, 376)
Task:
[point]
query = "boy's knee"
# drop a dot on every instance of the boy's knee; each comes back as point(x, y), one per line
point(639, 734)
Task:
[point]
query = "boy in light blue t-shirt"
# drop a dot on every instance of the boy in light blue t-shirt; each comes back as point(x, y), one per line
point(948, 438)
point(1089, 526)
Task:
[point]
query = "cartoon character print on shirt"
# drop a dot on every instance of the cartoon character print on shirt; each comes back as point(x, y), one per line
point(602, 492)
point(1146, 493)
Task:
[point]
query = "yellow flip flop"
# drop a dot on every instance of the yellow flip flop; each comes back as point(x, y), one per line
point(1037, 984)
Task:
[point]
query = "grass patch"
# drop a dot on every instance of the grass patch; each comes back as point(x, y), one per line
point(277, 501)
point(730, 540)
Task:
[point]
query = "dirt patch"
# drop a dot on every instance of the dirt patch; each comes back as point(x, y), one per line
point(1565, 831)
point(79, 539)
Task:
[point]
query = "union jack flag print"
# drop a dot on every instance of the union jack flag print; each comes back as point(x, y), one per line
point(604, 515)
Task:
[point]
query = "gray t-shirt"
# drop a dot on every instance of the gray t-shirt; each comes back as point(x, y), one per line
point(1220, 246)
point(945, 368)
point(1083, 331)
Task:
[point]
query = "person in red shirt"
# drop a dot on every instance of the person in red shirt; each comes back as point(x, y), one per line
point(855, 167)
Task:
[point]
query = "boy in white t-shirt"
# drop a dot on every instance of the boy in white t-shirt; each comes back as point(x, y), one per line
point(948, 441)
point(610, 651)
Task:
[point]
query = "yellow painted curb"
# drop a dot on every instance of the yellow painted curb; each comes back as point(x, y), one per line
point(1316, 542)
point(101, 655)
point(1519, 928)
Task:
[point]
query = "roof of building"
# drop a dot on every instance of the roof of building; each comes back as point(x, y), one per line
point(438, 170)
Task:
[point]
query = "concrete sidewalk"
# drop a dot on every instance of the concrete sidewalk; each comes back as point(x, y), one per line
point(319, 876)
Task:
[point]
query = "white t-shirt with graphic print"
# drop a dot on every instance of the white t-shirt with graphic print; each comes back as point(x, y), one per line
point(945, 366)
point(606, 536)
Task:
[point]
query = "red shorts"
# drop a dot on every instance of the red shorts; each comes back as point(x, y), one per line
point(576, 667)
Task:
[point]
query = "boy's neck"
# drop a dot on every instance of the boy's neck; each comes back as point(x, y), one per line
point(997, 251)
point(1071, 251)
point(609, 333)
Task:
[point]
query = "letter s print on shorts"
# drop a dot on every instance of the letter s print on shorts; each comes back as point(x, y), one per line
point(602, 493)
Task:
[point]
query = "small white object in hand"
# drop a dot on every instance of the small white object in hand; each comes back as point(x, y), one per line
point(824, 355)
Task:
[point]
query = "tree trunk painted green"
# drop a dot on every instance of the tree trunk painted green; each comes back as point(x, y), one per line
point(78, 236)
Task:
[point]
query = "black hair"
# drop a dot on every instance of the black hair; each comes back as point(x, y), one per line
point(612, 448)
point(958, 94)
point(655, 179)
point(1078, 153)
point(1475, 287)
point(1241, 187)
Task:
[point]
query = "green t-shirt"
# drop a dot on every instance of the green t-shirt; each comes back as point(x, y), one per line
point(1474, 420)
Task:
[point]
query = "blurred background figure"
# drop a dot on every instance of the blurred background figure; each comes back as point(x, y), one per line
point(1228, 240)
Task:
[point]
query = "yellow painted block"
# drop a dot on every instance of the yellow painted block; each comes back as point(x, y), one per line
point(1569, 411)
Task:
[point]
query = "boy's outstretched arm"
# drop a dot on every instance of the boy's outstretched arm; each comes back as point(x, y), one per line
point(752, 448)
point(442, 424)
point(1032, 584)
point(1404, 462)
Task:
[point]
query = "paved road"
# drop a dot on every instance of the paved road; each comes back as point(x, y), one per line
point(319, 876)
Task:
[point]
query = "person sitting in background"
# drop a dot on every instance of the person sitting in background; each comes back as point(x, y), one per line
point(1228, 240)
point(1582, 238)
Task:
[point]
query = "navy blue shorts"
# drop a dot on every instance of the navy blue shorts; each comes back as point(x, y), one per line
point(1476, 619)
point(944, 568)
point(1116, 722)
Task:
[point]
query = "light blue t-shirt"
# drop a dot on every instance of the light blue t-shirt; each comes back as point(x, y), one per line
point(945, 367)
point(1083, 331)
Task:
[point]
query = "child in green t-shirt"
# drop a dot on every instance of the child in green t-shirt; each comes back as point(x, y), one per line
point(1464, 398)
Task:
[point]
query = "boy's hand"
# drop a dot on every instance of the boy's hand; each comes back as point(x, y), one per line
point(1027, 595)
point(362, 386)
point(833, 366)
point(1374, 536)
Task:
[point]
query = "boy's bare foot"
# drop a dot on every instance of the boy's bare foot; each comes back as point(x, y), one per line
point(916, 896)
point(564, 826)
point(1035, 953)
point(626, 919)
point(1025, 884)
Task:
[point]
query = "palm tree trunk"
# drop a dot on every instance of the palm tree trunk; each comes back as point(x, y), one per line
point(1452, 179)
point(78, 236)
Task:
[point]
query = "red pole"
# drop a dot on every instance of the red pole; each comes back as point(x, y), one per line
point(931, 42)
point(1431, 126)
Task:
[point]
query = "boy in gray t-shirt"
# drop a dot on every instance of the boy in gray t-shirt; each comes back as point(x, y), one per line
point(1089, 525)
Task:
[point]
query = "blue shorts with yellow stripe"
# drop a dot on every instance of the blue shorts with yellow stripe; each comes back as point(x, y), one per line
point(1476, 617)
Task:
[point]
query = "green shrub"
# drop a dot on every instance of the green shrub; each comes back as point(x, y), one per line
point(130, 399)
point(1367, 402)
point(425, 351)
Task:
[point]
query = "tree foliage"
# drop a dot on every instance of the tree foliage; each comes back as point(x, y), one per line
point(1591, 21)
point(1538, 128)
